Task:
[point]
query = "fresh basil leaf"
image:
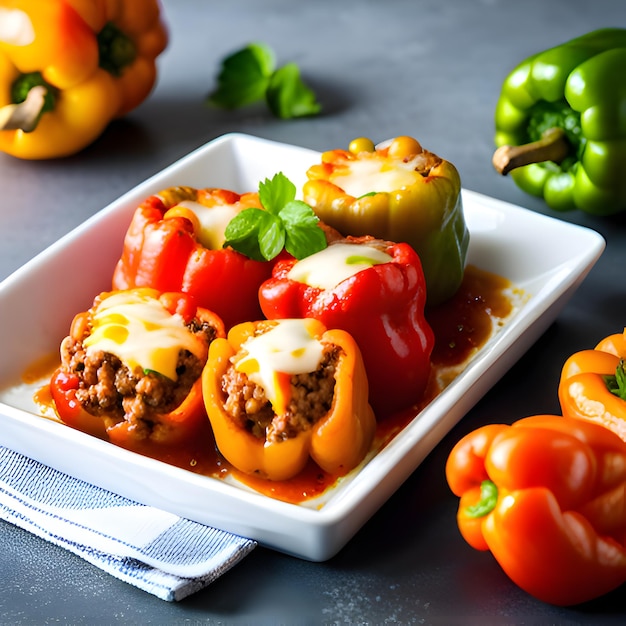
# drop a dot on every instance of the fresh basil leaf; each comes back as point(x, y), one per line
point(300, 242)
point(244, 77)
point(297, 213)
point(244, 224)
point(303, 237)
point(276, 193)
point(288, 96)
point(264, 56)
point(283, 222)
point(271, 237)
point(242, 233)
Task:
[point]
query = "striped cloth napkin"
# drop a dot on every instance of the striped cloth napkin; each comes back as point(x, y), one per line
point(158, 552)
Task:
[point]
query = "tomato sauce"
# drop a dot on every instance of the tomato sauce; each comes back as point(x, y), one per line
point(462, 325)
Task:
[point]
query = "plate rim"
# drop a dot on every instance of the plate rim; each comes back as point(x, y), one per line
point(330, 527)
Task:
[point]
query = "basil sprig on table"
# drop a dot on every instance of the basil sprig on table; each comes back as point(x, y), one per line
point(250, 75)
point(283, 222)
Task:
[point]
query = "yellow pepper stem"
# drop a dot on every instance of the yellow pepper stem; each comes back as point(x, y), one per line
point(553, 146)
point(24, 115)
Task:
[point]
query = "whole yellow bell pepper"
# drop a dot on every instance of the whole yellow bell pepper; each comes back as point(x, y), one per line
point(337, 441)
point(131, 35)
point(68, 67)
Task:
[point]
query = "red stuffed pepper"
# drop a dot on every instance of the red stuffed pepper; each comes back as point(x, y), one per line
point(131, 367)
point(374, 290)
point(174, 243)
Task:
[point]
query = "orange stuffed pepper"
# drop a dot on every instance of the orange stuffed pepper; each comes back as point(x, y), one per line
point(131, 367)
point(280, 392)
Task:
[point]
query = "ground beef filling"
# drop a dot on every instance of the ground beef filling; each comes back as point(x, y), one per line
point(109, 389)
point(311, 399)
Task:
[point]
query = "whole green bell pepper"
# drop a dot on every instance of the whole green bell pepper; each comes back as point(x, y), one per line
point(569, 102)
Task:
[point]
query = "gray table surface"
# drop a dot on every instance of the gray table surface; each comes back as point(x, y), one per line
point(429, 69)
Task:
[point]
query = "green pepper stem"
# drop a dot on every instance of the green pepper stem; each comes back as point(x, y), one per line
point(487, 502)
point(24, 115)
point(616, 383)
point(553, 146)
point(116, 49)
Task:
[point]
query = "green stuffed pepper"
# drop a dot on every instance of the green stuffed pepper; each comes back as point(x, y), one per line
point(400, 192)
point(561, 124)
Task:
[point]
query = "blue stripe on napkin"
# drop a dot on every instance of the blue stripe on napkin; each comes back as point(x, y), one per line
point(158, 552)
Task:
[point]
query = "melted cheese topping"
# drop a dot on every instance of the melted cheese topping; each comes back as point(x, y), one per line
point(363, 176)
point(213, 221)
point(290, 348)
point(135, 327)
point(332, 265)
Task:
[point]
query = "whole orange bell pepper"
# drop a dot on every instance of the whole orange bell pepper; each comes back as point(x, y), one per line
point(68, 67)
point(593, 384)
point(337, 441)
point(160, 426)
point(547, 497)
point(614, 344)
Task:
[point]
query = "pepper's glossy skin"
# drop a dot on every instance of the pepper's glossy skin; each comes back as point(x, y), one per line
point(583, 389)
point(337, 442)
point(177, 426)
point(382, 307)
point(61, 50)
point(428, 215)
point(558, 524)
point(579, 86)
point(141, 21)
point(162, 250)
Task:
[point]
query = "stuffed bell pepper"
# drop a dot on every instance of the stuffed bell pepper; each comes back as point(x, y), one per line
point(399, 192)
point(131, 367)
point(175, 243)
point(68, 67)
point(280, 392)
point(374, 290)
point(559, 124)
point(593, 385)
point(547, 497)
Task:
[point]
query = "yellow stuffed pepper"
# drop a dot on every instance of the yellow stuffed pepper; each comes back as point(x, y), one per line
point(397, 191)
point(280, 392)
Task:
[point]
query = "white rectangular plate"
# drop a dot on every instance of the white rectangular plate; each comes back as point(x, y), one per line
point(545, 257)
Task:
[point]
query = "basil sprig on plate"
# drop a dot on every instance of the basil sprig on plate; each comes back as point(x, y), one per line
point(283, 222)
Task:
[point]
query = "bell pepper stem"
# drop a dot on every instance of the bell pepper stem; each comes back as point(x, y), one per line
point(616, 383)
point(487, 502)
point(24, 115)
point(553, 146)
